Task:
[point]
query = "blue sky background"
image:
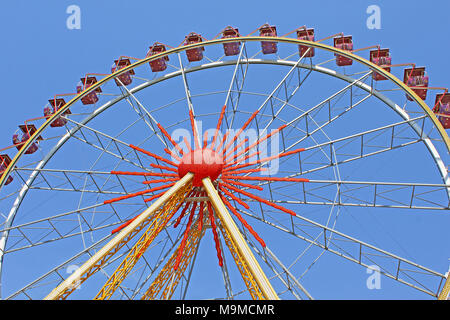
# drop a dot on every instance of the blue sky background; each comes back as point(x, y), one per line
point(41, 57)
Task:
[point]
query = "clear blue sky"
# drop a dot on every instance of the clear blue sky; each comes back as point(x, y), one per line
point(41, 57)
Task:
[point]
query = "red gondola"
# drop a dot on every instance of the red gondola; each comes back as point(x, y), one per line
point(416, 77)
point(343, 43)
point(381, 57)
point(195, 54)
point(308, 35)
point(27, 132)
point(125, 77)
point(268, 47)
point(442, 108)
point(92, 96)
point(55, 105)
point(158, 64)
point(5, 160)
point(231, 48)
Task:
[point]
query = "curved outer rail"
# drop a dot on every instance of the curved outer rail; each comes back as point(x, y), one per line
point(318, 45)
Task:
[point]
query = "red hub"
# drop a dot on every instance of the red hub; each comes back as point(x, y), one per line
point(202, 163)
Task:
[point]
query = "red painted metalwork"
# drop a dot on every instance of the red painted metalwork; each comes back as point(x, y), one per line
point(232, 196)
point(308, 35)
point(55, 105)
point(126, 77)
point(268, 47)
point(202, 163)
point(442, 109)
point(231, 48)
point(417, 80)
point(243, 221)
point(216, 236)
point(195, 54)
point(343, 43)
point(85, 83)
point(219, 162)
point(5, 160)
point(27, 131)
point(381, 57)
point(219, 124)
point(160, 64)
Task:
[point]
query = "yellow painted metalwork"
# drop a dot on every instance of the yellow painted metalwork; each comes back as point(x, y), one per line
point(445, 292)
point(245, 260)
point(169, 278)
point(151, 214)
point(249, 279)
point(313, 44)
point(158, 224)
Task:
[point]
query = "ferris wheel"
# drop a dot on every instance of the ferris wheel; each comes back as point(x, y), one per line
point(240, 167)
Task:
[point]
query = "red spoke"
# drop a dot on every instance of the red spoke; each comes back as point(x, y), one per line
point(280, 155)
point(194, 130)
point(219, 124)
point(241, 130)
point(144, 174)
point(205, 140)
point(230, 153)
point(188, 204)
point(259, 141)
point(246, 171)
point(185, 236)
point(262, 200)
point(200, 216)
point(248, 156)
point(131, 195)
point(265, 178)
point(226, 182)
point(225, 136)
point(153, 155)
point(214, 231)
point(170, 139)
point(157, 166)
point(232, 196)
point(160, 180)
point(173, 155)
point(242, 220)
point(188, 145)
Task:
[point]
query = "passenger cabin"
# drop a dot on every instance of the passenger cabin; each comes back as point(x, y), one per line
point(308, 35)
point(231, 48)
point(92, 96)
point(268, 47)
point(417, 79)
point(343, 43)
point(160, 64)
point(381, 57)
point(195, 54)
point(125, 77)
point(5, 160)
point(442, 109)
point(27, 132)
point(55, 105)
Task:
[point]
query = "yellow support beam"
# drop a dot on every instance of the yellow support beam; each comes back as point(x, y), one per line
point(245, 258)
point(445, 292)
point(175, 193)
point(169, 278)
point(249, 279)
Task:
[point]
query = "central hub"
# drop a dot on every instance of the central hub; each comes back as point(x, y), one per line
point(202, 163)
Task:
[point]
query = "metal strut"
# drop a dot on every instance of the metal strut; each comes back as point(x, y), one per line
point(158, 214)
point(255, 279)
point(169, 278)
